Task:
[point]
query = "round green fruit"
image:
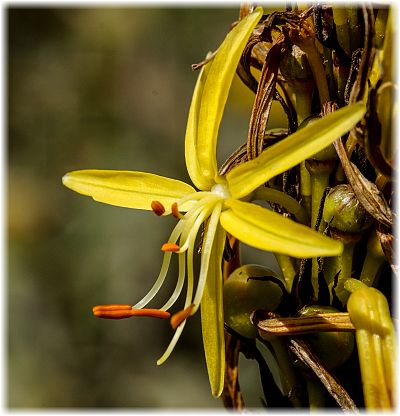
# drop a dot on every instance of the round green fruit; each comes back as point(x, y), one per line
point(343, 211)
point(248, 288)
point(332, 348)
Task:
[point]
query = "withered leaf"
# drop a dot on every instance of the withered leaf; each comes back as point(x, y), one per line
point(304, 352)
point(366, 191)
point(263, 101)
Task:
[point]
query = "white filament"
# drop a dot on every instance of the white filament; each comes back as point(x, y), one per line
point(164, 269)
point(208, 205)
point(206, 252)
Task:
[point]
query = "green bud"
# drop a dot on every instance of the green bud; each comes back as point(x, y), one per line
point(332, 348)
point(343, 211)
point(294, 65)
point(248, 288)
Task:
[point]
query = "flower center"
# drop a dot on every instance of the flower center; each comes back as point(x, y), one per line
point(221, 189)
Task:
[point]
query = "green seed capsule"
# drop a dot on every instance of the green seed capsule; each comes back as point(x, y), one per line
point(343, 211)
point(294, 65)
point(248, 288)
point(333, 348)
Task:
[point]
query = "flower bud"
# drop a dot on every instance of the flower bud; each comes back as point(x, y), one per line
point(294, 65)
point(248, 288)
point(333, 348)
point(343, 211)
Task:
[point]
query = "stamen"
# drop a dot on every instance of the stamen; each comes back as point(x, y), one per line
point(111, 307)
point(158, 208)
point(175, 212)
point(152, 313)
point(192, 227)
point(188, 302)
point(115, 311)
point(179, 284)
point(163, 271)
point(170, 247)
point(180, 316)
point(205, 258)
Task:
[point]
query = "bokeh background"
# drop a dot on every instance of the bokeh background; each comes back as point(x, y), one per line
point(105, 88)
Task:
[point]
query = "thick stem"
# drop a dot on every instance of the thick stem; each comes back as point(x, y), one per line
point(327, 53)
point(341, 74)
point(320, 171)
point(288, 270)
point(305, 188)
point(374, 259)
point(314, 59)
point(342, 263)
point(319, 182)
point(316, 394)
point(346, 261)
point(302, 92)
point(290, 383)
point(342, 27)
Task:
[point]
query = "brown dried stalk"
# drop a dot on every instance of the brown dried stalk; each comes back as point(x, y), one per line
point(329, 322)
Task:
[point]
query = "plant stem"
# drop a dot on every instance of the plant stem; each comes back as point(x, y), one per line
point(288, 270)
point(316, 394)
point(288, 376)
point(342, 263)
point(373, 260)
point(314, 59)
point(319, 173)
point(342, 28)
point(305, 188)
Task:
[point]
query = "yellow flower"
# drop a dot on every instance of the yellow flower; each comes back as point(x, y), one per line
point(219, 202)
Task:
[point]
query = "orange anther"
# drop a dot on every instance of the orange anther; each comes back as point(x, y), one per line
point(115, 311)
point(157, 207)
point(175, 211)
point(180, 316)
point(170, 247)
point(111, 307)
point(152, 313)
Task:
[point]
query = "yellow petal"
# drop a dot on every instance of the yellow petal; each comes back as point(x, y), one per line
point(127, 189)
point(299, 146)
point(212, 317)
point(376, 343)
point(215, 92)
point(192, 164)
point(267, 230)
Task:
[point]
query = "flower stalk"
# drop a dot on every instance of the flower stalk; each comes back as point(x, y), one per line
point(374, 260)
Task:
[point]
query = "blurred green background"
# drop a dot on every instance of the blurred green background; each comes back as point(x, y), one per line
point(102, 88)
